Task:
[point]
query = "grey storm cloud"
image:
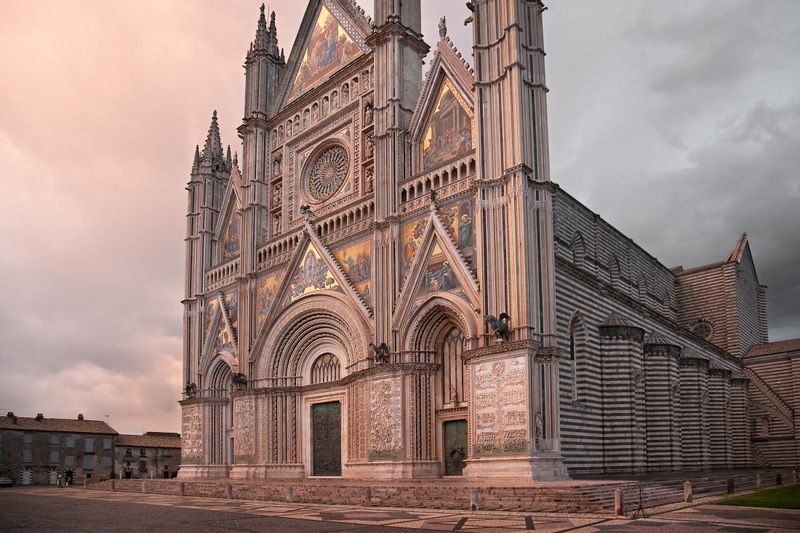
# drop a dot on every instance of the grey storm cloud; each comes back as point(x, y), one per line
point(678, 122)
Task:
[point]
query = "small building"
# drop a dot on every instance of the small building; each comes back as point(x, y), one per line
point(152, 455)
point(36, 450)
point(774, 394)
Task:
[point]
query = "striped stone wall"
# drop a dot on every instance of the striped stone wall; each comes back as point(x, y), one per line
point(719, 422)
point(694, 415)
point(662, 379)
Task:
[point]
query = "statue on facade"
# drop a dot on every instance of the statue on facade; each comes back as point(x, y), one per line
point(381, 353)
point(190, 390)
point(239, 379)
point(499, 326)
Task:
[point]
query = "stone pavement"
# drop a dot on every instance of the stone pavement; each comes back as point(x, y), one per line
point(51, 509)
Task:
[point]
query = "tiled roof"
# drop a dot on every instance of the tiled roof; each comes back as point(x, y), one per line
point(148, 441)
point(60, 425)
point(770, 348)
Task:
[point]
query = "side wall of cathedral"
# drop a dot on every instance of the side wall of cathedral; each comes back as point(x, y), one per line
point(639, 393)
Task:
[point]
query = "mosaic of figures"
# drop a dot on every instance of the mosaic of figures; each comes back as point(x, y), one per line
point(329, 49)
point(449, 131)
point(232, 307)
point(266, 292)
point(438, 277)
point(459, 221)
point(412, 239)
point(211, 309)
point(231, 238)
point(312, 275)
point(356, 263)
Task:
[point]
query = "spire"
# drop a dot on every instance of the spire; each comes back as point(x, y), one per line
point(261, 41)
point(196, 162)
point(272, 36)
point(228, 157)
point(212, 150)
point(442, 27)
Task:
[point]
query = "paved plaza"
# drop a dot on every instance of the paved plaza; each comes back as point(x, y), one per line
point(54, 509)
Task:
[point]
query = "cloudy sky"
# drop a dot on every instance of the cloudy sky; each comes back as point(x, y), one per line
point(678, 122)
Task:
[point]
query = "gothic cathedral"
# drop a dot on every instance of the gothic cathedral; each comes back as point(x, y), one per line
point(388, 284)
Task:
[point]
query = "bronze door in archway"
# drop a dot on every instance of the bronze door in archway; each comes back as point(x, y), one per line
point(326, 436)
point(455, 447)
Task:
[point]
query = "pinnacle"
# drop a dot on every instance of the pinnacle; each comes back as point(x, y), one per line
point(261, 41)
point(212, 150)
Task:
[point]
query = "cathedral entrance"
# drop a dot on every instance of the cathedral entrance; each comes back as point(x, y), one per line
point(455, 447)
point(326, 436)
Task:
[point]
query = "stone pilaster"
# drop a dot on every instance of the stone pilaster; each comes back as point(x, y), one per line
point(719, 403)
point(624, 423)
point(398, 50)
point(739, 428)
point(661, 399)
point(694, 412)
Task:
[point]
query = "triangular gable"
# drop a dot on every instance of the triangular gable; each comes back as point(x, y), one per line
point(223, 334)
point(311, 269)
point(443, 125)
point(331, 35)
point(311, 274)
point(267, 289)
point(437, 266)
point(229, 226)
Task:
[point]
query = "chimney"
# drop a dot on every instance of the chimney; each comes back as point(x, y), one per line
point(80, 417)
point(39, 417)
point(12, 416)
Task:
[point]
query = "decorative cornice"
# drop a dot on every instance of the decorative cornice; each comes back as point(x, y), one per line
point(616, 327)
point(528, 345)
point(659, 346)
point(698, 362)
point(719, 373)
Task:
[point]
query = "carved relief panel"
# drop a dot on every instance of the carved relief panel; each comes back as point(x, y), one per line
point(385, 439)
point(500, 409)
point(244, 414)
point(192, 434)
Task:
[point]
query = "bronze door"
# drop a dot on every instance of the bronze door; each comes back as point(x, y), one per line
point(455, 447)
point(326, 435)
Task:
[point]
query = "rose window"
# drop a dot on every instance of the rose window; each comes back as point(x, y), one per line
point(327, 173)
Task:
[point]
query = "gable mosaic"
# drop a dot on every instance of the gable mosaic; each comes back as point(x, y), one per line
point(329, 48)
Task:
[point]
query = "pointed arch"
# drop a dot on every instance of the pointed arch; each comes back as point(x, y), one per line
point(578, 250)
point(614, 273)
point(321, 322)
point(578, 355)
point(420, 329)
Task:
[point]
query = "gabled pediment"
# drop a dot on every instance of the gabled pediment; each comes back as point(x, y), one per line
point(437, 266)
point(311, 270)
point(443, 125)
point(221, 325)
point(229, 226)
point(332, 34)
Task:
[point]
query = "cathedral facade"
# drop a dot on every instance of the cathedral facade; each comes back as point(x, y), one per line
point(388, 284)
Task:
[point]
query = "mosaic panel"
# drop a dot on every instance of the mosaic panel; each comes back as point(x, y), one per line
point(356, 263)
point(312, 275)
point(449, 131)
point(329, 48)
